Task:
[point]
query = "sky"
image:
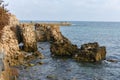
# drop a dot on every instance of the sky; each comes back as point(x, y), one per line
point(65, 10)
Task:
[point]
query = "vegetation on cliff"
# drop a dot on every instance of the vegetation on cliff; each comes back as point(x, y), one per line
point(4, 16)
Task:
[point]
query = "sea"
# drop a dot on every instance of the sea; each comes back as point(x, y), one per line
point(80, 32)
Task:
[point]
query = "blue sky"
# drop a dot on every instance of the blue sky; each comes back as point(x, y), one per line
point(75, 10)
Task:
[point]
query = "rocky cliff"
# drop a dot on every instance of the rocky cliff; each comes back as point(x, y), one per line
point(10, 53)
point(10, 49)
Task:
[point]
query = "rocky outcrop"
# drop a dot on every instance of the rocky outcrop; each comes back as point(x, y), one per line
point(91, 52)
point(9, 42)
point(12, 35)
point(10, 49)
point(60, 45)
point(28, 37)
point(48, 32)
point(63, 49)
point(10, 45)
point(42, 32)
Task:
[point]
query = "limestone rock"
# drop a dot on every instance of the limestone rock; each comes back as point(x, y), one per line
point(48, 33)
point(63, 49)
point(60, 45)
point(9, 47)
point(29, 37)
point(91, 52)
point(33, 55)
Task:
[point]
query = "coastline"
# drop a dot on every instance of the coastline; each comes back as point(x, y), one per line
point(49, 23)
point(29, 34)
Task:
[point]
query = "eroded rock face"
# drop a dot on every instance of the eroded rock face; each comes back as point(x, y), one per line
point(9, 42)
point(60, 45)
point(63, 49)
point(91, 52)
point(34, 55)
point(9, 47)
point(28, 37)
point(41, 32)
point(48, 32)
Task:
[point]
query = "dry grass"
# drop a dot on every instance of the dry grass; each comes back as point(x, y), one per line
point(4, 16)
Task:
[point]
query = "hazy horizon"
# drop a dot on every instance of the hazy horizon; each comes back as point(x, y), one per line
point(67, 21)
point(66, 10)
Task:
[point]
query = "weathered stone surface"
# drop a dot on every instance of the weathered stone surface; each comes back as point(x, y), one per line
point(13, 21)
point(91, 52)
point(60, 45)
point(29, 37)
point(33, 55)
point(48, 33)
point(63, 49)
point(9, 47)
point(9, 42)
point(12, 34)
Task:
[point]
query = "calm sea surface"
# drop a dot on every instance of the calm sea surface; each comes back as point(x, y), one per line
point(105, 33)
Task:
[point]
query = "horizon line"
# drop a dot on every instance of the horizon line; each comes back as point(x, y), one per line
point(69, 20)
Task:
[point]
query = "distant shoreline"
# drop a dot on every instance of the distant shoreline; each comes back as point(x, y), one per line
point(50, 23)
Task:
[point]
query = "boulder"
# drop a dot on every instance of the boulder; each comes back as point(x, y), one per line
point(91, 52)
point(63, 49)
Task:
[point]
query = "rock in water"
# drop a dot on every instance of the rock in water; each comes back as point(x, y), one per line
point(60, 45)
point(91, 52)
point(63, 49)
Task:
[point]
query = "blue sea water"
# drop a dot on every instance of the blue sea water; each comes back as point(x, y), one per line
point(105, 33)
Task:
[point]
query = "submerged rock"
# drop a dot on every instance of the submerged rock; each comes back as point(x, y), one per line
point(112, 60)
point(91, 52)
point(33, 55)
point(52, 77)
